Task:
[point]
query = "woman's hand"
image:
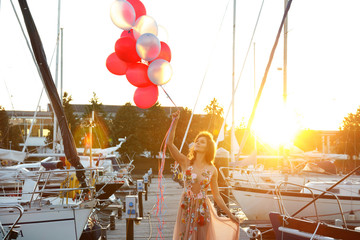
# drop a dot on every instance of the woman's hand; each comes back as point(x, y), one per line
point(176, 115)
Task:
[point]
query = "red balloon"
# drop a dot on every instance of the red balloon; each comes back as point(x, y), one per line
point(165, 52)
point(115, 65)
point(146, 97)
point(137, 75)
point(126, 33)
point(125, 49)
point(138, 7)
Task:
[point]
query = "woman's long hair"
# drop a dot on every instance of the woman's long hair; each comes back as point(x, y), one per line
point(210, 148)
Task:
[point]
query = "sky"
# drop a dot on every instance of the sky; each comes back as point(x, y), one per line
point(323, 57)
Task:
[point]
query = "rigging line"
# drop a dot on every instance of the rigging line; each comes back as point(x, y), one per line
point(244, 63)
point(26, 39)
point(13, 108)
point(36, 110)
point(33, 121)
point(264, 79)
point(202, 83)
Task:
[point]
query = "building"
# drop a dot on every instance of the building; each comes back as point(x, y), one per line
point(34, 126)
point(43, 121)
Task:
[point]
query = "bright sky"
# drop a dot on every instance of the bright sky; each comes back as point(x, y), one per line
point(323, 56)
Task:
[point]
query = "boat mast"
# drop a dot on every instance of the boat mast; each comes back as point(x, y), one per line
point(255, 146)
point(233, 89)
point(285, 57)
point(285, 111)
point(56, 75)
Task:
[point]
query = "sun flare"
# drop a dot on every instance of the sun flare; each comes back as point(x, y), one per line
point(277, 129)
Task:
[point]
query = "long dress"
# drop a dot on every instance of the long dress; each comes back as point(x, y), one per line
point(197, 218)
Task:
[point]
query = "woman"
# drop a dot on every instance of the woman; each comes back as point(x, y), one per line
point(197, 218)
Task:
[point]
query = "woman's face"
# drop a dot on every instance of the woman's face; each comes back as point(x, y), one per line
point(200, 144)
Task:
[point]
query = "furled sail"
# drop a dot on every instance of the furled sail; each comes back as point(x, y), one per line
point(68, 140)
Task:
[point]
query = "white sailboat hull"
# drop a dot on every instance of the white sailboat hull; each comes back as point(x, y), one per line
point(48, 222)
point(258, 203)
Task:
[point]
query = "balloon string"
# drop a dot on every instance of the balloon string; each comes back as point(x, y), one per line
point(169, 97)
point(160, 195)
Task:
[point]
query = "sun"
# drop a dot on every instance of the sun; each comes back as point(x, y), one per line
point(276, 128)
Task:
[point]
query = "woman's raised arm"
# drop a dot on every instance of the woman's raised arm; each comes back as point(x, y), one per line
point(174, 151)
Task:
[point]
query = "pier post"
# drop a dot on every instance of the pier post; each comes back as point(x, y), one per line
point(140, 190)
point(103, 234)
point(146, 191)
point(112, 222)
point(146, 182)
point(129, 229)
point(141, 209)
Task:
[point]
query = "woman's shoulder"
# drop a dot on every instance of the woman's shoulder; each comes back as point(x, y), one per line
point(211, 168)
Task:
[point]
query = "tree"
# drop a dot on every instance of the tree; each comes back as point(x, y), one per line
point(10, 135)
point(72, 120)
point(100, 138)
point(349, 135)
point(214, 117)
point(184, 119)
point(95, 105)
point(126, 124)
point(154, 126)
point(4, 126)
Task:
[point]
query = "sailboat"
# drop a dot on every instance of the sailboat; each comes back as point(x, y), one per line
point(44, 218)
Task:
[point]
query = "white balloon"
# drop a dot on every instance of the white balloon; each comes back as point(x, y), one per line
point(122, 14)
point(145, 24)
point(148, 46)
point(160, 72)
point(162, 35)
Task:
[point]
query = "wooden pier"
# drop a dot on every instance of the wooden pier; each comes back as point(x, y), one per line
point(148, 227)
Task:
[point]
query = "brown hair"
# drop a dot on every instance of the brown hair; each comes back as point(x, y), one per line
point(210, 147)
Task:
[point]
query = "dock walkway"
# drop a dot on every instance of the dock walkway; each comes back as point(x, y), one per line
point(147, 228)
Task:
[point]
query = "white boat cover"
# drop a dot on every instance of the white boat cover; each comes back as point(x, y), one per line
point(12, 155)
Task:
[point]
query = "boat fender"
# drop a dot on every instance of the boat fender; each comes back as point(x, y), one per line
point(53, 165)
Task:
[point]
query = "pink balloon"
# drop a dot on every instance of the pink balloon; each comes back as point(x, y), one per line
point(138, 7)
point(137, 75)
point(128, 33)
point(125, 49)
point(165, 52)
point(146, 97)
point(115, 65)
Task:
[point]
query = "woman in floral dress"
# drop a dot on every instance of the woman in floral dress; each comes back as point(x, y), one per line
point(197, 218)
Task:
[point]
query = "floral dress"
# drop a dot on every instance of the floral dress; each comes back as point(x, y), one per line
point(197, 218)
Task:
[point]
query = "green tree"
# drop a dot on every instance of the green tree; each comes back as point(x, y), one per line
point(126, 124)
point(185, 115)
point(101, 138)
point(10, 135)
point(349, 135)
point(214, 117)
point(154, 126)
point(4, 126)
point(72, 120)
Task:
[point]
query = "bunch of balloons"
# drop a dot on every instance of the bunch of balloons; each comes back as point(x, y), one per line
point(139, 54)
